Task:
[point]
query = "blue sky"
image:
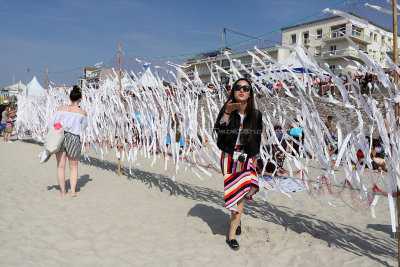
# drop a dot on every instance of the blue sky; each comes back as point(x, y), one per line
point(68, 34)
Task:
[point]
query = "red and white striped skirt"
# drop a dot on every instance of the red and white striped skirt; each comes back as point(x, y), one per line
point(240, 180)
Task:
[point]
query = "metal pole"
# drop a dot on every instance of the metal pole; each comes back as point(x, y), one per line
point(396, 110)
point(222, 39)
point(222, 46)
point(120, 88)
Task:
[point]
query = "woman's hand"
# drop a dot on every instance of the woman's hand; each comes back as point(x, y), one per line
point(232, 106)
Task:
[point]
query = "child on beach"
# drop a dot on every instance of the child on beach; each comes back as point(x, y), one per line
point(9, 128)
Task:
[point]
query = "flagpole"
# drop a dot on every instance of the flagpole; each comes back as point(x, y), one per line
point(120, 88)
point(222, 46)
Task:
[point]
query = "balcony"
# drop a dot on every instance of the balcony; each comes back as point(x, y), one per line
point(349, 53)
point(353, 34)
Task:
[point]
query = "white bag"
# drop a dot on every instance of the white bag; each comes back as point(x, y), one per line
point(54, 140)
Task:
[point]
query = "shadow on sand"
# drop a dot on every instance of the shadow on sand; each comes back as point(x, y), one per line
point(338, 235)
point(31, 141)
point(82, 181)
point(381, 228)
point(216, 219)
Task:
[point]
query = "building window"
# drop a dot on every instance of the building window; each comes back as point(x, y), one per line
point(383, 40)
point(390, 41)
point(293, 38)
point(190, 71)
point(332, 68)
point(306, 39)
point(226, 63)
point(333, 47)
point(319, 34)
point(338, 31)
point(371, 35)
point(356, 31)
point(317, 51)
point(376, 37)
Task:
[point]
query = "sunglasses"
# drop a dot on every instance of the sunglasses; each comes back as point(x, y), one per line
point(246, 88)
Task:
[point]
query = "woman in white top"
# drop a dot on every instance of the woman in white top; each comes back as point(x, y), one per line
point(74, 121)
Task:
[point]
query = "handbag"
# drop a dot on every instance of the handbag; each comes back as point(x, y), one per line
point(54, 138)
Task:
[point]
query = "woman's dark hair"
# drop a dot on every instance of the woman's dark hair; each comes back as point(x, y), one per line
point(75, 94)
point(249, 136)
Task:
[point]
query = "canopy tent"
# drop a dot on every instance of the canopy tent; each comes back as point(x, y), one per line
point(34, 88)
point(14, 89)
point(295, 65)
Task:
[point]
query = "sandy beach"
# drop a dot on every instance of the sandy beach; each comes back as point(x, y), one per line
point(146, 219)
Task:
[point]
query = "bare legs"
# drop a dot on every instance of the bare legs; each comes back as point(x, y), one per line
point(73, 166)
point(323, 89)
point(235, 220)
point(61, 160)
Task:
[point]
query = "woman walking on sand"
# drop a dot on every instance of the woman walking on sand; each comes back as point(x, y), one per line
point(74, 121)
point(239, 128)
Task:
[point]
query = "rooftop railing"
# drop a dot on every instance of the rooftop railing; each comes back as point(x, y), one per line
point(342, 32)
point(339, 53)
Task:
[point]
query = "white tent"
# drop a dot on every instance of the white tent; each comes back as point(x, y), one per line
point(34, 88)
point(15, 88)
point(305, 65)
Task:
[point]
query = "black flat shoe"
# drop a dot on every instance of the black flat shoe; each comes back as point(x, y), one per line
point(238, 230)
point(233, 244)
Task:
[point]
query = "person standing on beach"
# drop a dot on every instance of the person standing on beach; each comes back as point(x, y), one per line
point(9, 128)
point(239, 127)
point(74, 121)
point(4, 116)
point(7, 123)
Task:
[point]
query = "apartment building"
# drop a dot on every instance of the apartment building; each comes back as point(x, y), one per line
point(95, 76)
point(325, 39)
point(202, 63)
point(87, 73)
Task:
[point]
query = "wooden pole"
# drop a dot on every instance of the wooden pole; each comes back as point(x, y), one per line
point(120, 88)
point(47, 80)
point(396, 110)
